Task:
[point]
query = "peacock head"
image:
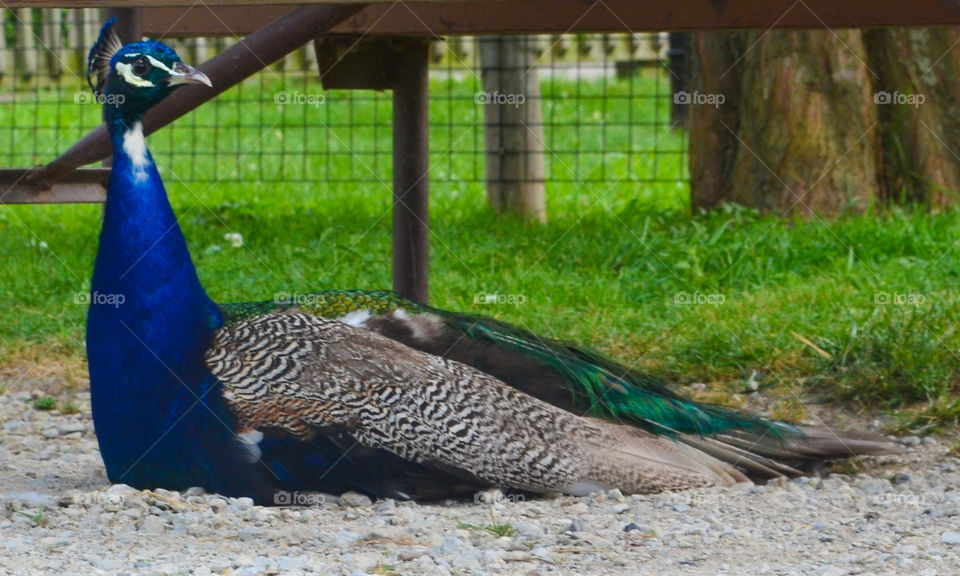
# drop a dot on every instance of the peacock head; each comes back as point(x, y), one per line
point(129, 79)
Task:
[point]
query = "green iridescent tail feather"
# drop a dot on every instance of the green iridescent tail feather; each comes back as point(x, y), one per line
point(580, 381)
point(603, 388)
point(328, 304)
point(596, 385)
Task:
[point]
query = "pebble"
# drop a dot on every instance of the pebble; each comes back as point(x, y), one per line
point(58, 514)
point(152, 525)
point(528, 529)
point(951, 538)
point(638, 529)
point(345, 538)
point(578, 509)
point(901, 478)
point(355, 500)
point(449, 545)
point(70, 428)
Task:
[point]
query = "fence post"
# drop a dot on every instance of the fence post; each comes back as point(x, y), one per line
point(513, 127)
point(411, 166)
point(52, 21)
point(26, 43)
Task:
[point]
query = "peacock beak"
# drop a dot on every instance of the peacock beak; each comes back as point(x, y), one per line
point(183, 74)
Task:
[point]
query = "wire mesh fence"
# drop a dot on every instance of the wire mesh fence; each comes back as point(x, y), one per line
point(605, 103)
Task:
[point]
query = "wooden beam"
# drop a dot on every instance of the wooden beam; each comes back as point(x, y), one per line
point(563, 16)
point(354, 63)
point(83, 186)
point(290, 4)
point(497, 17)
point(129, 26)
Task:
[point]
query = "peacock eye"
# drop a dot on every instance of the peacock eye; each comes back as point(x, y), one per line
point(141, 67)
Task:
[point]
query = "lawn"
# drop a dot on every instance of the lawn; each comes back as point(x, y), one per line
point(859, 310)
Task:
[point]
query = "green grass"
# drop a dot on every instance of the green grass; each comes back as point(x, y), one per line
point(801, 303)
point(44, 403)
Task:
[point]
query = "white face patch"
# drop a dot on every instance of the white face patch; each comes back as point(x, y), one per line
point(126, 71)
point(158, 64)
point(135, 147)
point(357, 318)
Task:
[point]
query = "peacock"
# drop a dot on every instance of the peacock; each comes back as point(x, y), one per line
point(363, 390)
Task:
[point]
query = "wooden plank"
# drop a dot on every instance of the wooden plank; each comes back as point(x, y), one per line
point(13, 4)
point(568, 16)
point(208, 21)
point(82, 186)
point(347, 63)
point(479, 17)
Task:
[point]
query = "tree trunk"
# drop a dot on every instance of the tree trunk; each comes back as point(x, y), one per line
point(863, 116)
point(916, 72)
point(795, 132)
point(513, 125)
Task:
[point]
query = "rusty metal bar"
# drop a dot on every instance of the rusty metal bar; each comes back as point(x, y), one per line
point(252, 54)
point(411, 231)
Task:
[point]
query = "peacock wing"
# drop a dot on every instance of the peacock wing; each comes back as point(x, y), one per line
point(305, 376)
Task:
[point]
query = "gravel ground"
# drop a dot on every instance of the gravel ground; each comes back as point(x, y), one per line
point(58, 515)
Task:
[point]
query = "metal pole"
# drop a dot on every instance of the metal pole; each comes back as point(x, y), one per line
point(411, 231)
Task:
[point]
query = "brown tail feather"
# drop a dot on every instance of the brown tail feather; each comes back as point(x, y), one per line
point(639, 462)
point(766, 457)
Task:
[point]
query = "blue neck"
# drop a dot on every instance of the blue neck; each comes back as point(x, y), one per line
point(143, 256)
point(148, 327)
